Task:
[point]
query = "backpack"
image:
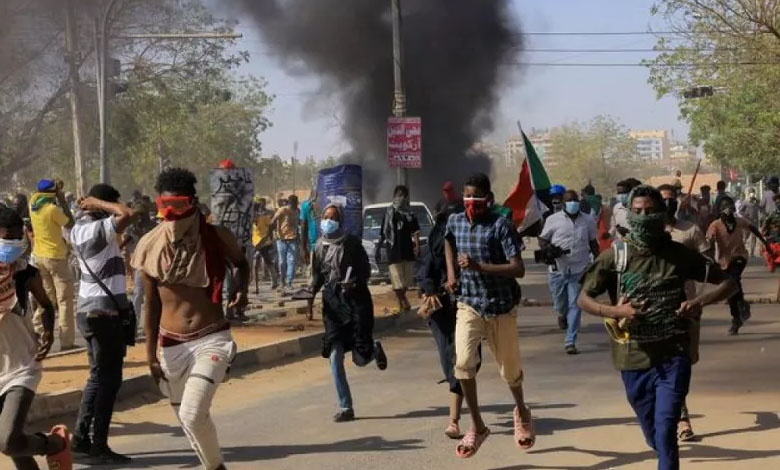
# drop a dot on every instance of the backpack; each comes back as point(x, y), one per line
point(617, 329)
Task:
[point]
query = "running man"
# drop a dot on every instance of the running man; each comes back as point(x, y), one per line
point(183, 261)
point(650, 341)
point(486, 249)
point(727, 234)
point(20, 369)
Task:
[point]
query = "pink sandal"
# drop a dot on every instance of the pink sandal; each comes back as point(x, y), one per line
point(471, 442)
point(525, 434)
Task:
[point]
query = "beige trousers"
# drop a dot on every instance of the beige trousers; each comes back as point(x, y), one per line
point(500, 333)
point(58, 283)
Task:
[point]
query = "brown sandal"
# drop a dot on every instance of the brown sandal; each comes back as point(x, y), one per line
point(686, 433)
point(453, 431)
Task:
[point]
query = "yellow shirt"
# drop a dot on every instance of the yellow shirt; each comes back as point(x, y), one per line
point(47, 223)
point(261, 230)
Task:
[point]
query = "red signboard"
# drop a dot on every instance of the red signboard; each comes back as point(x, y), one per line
point(404, 142)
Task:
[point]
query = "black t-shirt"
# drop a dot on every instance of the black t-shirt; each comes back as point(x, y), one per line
point(404, 226)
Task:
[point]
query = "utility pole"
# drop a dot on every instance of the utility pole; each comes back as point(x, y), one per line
point(71, 45)
point(399, 96)
point(101, 54)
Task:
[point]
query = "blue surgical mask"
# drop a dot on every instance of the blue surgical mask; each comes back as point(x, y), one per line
point(329, 226)
point(12, 250)
point(572, 207)
point(622, 198)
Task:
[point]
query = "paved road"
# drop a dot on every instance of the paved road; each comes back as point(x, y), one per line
point(280, 418)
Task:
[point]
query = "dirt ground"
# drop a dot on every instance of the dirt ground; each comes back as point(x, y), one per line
point(71, 371)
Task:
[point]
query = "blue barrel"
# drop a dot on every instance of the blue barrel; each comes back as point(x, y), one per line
point(343, 185)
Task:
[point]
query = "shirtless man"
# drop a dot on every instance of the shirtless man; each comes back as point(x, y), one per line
point(183, 264)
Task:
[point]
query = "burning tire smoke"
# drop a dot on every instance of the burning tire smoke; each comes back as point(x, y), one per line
point(453, 52)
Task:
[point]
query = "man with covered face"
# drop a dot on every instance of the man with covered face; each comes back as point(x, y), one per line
point(189, 346)
point(727, 233)
point(482, 253)
point(650, 339)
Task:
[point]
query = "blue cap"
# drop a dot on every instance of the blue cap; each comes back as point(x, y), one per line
point(557, 189)
point(46, 185)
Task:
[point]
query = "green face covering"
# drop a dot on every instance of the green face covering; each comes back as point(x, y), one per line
point(646, 230)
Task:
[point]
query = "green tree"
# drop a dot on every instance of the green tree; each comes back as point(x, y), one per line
point(182, 102)
point(600, 153)
point(733, 46)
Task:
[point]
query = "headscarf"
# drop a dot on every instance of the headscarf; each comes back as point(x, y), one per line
point(332, 248)
point(646, 230)
point(338, 235)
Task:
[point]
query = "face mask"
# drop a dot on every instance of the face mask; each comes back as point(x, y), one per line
point(475, 207)
point(557, 206)
point(329, 227)
point(622, 198)
point(572, 207)
point(172, 208)
point(12, 250)
point(671, 207)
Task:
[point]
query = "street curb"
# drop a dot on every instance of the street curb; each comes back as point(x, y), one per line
point(46, 406)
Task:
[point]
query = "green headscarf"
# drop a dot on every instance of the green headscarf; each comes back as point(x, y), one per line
point(646, 231)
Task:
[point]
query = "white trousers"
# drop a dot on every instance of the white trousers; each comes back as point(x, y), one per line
point(194, 371)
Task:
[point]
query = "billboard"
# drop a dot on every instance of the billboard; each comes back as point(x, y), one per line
point(404, 142)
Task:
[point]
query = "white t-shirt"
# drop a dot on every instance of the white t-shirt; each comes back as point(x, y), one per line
point(18, 342)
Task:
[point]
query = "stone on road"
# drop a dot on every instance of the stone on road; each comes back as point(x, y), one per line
point(280, 418)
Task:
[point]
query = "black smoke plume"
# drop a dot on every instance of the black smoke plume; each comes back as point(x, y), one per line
point(453, 52)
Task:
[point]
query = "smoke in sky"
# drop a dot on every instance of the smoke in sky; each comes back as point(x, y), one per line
point(454, 50)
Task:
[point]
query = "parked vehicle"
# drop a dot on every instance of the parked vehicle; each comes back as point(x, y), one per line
point(372, 226)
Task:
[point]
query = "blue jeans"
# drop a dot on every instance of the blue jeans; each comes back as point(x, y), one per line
point(288, 255)
point(657, 395)
point(568, 286)
point(340, 376)
point(558, 293)
point(106, 353)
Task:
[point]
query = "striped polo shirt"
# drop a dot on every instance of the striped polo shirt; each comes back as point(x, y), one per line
point(95, 240)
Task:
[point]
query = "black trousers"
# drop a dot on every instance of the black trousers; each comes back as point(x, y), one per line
point(737, 301)
point(442, 325)
point(106, 352)
point(14, 406)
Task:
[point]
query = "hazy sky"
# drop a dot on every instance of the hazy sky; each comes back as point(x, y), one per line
point(537, 96)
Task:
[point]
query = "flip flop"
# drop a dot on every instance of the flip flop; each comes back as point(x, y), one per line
point(61, 460)
point(525, 434)
point(470, 444)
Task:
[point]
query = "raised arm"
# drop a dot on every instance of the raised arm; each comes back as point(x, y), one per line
point(123, 215)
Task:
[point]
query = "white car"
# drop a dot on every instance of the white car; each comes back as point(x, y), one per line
point(372, 226)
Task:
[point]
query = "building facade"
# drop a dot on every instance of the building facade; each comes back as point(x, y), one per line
point(652, 145)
